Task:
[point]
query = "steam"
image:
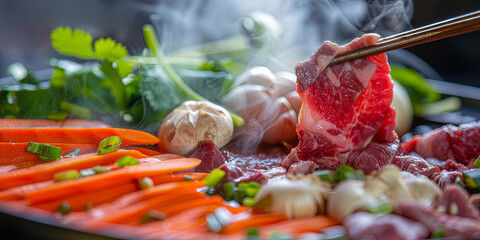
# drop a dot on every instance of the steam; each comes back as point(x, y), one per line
point(304, 26)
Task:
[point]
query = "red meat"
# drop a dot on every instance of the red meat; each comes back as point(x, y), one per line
point(344, 106)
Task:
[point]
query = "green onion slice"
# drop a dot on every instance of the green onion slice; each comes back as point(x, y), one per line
point(439, 233)
point(187, 178)
point(66, 175)
point(100, 169)
point(252, 234)
point(214, 177)
point(145, 183)
point(229, 192)
point(109, 145)
point(248, 201)
point(73, 153)
point(212, 223)
point(87, 172)
point(46, 152)
point(324, 175)
point(380, 207)
point(153, 215)
point(57, 116)
point(127, 161)
point(477, 162)
point(64, 208)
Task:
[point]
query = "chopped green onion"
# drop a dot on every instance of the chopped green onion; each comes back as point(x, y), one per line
point(214, 177)
point(64, 208)
point(153, 215)
point(334, 233)
point(100, 169)
point(210, 190)
point(280, 236)
point(109, 144)
point(248, 201)
point(460, 182)
point(57, 116)
point(380, 207)
point(240, 194)
point(73, 153)
point(87, 172)
point(127, 161)
point(229, 191)
point(77, 110)
point(324, 175)
point(346, 172)
point(439, 233)
point(252, 234)
point(145, 183)
point(212, 223)
point(46, 152)
point(477, 162)
point(66, 175)
point(88, 206)
point(187, 178)
point(472, 180)
point(223, 216)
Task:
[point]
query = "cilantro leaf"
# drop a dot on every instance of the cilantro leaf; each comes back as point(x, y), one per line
point(123, 68)
point(113, 82)
point(70, 42)
point(108, 49)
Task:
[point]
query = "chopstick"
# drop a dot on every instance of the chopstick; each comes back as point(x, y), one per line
point(451, 27)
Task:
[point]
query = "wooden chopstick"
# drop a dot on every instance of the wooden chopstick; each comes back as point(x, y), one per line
point(451, 27)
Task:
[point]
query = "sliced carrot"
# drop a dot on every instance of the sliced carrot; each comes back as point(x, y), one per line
point(37, 123)
point(301, 225)
point(177, 207)
point(78, 202)
point(47, 170)
point(77, 135)
point(109, 179)
point(16, 155)
point(146, 151)
point(167, 156)
point(164, 178)
point(17, 193)
point(252, 221)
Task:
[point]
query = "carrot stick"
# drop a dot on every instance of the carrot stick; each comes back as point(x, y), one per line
point(164, 178)
point(109, 179)
point(301, 225)
point(16, 155)
point(146, 151)
point(17, 193)
point(252, 221)
point(177, 207)
point(77, 135)
point(78, 202)
point(47, 170)
point(167, 156)
point(37, 123)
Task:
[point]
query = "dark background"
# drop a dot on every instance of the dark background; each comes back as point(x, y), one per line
point(25, 26)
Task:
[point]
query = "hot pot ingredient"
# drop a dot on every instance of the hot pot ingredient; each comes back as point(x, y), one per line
point(268, 103)
point(301, 197)
point(193, 122)
point(403, 108)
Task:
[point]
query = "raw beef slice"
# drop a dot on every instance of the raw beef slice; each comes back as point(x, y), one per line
point(345, 106)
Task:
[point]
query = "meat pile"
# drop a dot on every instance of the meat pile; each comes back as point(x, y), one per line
point(346, 116)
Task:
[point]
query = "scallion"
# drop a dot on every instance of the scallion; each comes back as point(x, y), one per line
point(153, 215)
point(109, 144)
point(229, 192)
point(66, 175)
point(127, 161)
point(187, 178)
point(380, 207)
point(46, 152)
point(145, 183)
point(100, 169)
point(346, 172)
point(87, 172)
point(73, 153)
point(77, 110)
point(252, 234)
point(64, 208)
point(214, 177)
point(240, 194)
point(57, 116)
point(248, 201)
point(477, 162)
point(324, 175)
point(439, 233)
point(280, 236)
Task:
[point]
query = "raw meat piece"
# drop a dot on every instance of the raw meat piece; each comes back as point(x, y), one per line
point(210, 155)
point(454, 226)
point(373, 156)
point(344, 106)
point(444, 178)
point(364, 225)
point(456, 202)
point(461, 143)
point(416, 166)
point(303, 167)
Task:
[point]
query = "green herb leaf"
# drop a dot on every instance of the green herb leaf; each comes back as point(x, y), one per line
point(108, 49)
point(76, 43)
point(114, 83)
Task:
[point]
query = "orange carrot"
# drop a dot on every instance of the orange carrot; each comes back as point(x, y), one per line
point(16, 155)
point(17, 193)
point(146, 151)
point(79, 201)
point(37, 123)
point(177, 207)
point(167, 156)
point(252, 221)
point(301, 225)
point(77, 135)
point(164, 178)
point(47, 170)
point(109, 179)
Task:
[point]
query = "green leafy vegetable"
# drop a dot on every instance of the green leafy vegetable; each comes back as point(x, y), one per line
point(76, 43)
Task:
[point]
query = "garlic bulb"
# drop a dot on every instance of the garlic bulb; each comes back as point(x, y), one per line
point(295, 198)
point(269, 104)
point(191, 123)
